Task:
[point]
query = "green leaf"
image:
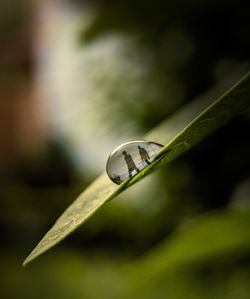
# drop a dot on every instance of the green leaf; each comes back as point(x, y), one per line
point(212, 235)
point(211, 241)
point(185, 129)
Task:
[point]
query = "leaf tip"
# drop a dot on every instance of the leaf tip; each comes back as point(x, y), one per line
point(26, 261)
point(29, 259)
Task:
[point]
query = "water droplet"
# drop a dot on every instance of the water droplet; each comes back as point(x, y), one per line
point(130, 158)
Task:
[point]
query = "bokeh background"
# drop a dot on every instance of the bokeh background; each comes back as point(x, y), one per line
point(77, 78)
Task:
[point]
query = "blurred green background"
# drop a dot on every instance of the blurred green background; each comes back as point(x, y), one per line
point(78, 78)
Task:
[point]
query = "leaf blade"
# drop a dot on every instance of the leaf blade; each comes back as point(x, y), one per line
point(103, 190)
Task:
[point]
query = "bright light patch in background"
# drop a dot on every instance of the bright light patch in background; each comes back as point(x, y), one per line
point(76, 93)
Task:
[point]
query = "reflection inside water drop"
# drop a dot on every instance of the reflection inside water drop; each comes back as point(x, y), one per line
point(130, 158)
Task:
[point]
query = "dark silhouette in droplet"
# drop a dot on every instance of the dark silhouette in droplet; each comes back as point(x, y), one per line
point(130, 163)
point(144, 154)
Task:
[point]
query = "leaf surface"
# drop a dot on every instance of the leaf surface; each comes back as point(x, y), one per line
point(179, 133)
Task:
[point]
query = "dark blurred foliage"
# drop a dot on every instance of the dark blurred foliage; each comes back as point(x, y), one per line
point(218, 30)
point(193, 44)
point(15, 39)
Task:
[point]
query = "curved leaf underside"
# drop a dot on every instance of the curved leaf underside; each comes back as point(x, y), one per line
point(180, 132)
